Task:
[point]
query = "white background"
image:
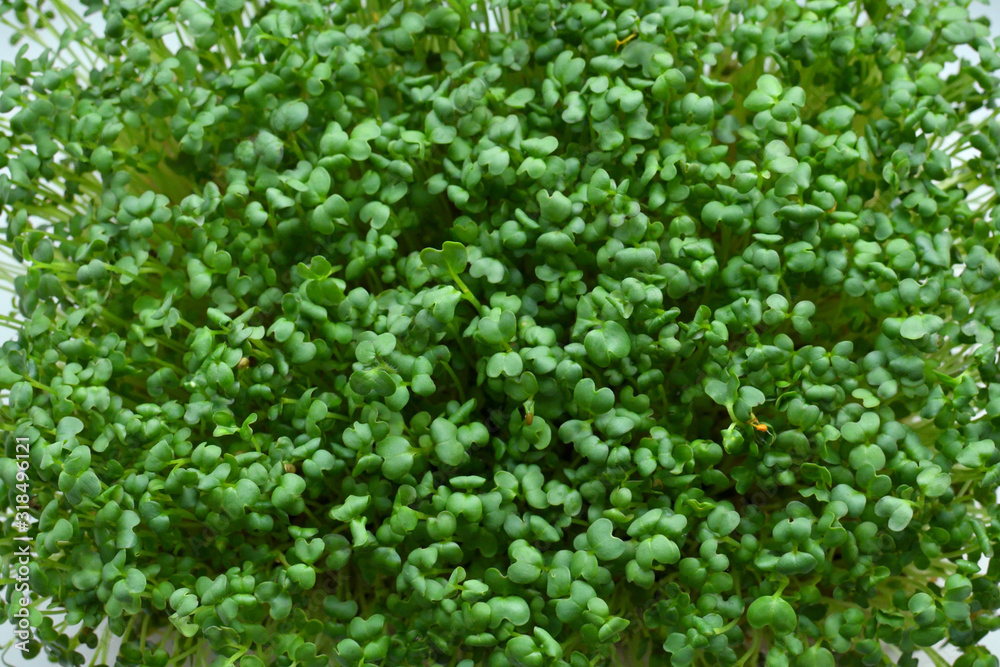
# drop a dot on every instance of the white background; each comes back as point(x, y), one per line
point(7, 52)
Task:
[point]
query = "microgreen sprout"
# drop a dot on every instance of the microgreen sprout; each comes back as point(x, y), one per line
point(519, 333)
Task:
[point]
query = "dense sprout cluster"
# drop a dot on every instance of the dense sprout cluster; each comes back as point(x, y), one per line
point(519, 333)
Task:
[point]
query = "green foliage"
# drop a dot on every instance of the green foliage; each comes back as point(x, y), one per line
point(646, 332)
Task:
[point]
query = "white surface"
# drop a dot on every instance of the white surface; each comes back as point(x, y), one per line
point(7, 52)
